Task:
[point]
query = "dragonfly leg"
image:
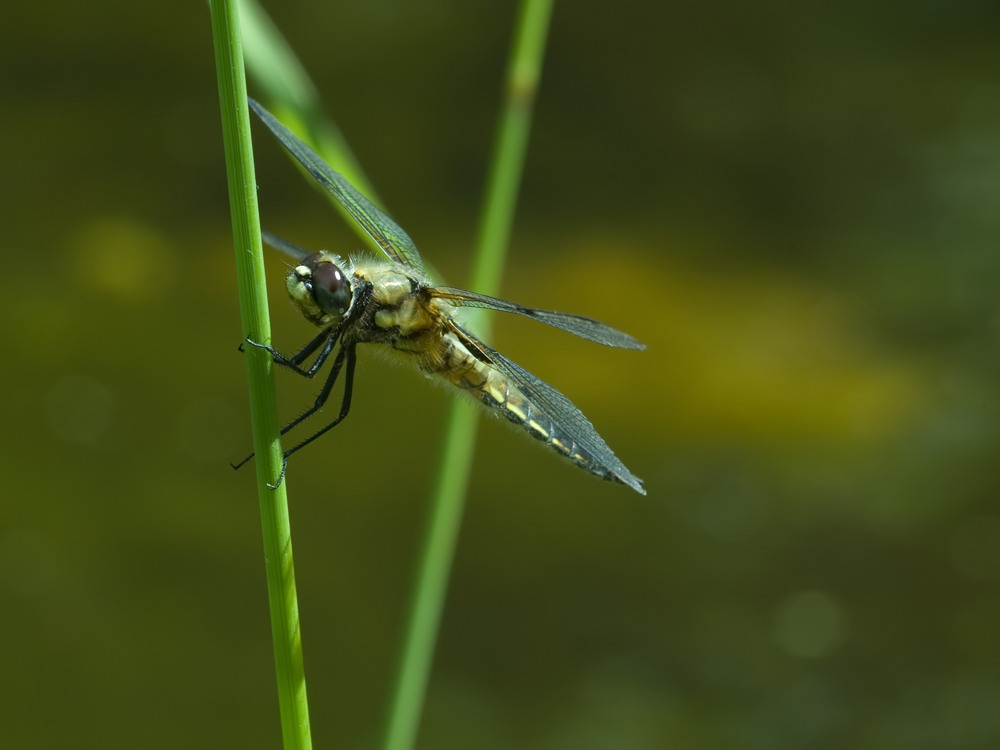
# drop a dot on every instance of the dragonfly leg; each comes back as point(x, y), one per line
point(345, 356)
point(281, 476)
point(324, 394)
point(327, 338)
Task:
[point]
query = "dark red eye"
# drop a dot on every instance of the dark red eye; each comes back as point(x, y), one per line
point(331, 289)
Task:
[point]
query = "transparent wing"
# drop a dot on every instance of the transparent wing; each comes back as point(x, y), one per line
point(578, 325)
point(565, 423)
point(288, 248)
point(387, 234)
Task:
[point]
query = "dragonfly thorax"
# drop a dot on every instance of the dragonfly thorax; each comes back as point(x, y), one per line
point(320, 288)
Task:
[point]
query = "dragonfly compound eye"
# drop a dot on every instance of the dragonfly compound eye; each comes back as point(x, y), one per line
point(331, 289)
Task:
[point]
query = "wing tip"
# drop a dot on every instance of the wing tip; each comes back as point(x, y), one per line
point(637, 486)
point(629, 480)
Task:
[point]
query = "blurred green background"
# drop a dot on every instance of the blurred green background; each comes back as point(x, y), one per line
point(793, 204)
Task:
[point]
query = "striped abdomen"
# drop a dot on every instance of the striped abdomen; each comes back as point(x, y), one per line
point(493, 388)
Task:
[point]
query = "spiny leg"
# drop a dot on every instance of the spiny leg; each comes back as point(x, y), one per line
point(324, 394)
point(346, 355)
point(327, 338)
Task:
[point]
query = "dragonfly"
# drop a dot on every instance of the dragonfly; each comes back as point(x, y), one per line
point(392, 303)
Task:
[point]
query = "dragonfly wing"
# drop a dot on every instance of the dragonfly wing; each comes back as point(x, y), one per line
point(387, 234)
point(552, 417)
point(578, 325)
point(288, 248)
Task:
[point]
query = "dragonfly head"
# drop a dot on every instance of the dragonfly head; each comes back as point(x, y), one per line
point(320, 288)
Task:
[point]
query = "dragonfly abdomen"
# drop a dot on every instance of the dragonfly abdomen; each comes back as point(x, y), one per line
point(495, 390)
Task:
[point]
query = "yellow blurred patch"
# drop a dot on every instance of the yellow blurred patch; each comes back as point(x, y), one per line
point(120, 256)
point(753, 356)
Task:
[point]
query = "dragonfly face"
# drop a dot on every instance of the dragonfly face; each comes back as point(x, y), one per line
point(393, 304)
point(320, 289)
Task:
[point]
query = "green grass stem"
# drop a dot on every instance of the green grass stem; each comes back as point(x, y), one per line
point(455, 465)
point(260, 375)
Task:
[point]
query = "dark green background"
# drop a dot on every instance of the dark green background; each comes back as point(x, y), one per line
point(794, 204)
